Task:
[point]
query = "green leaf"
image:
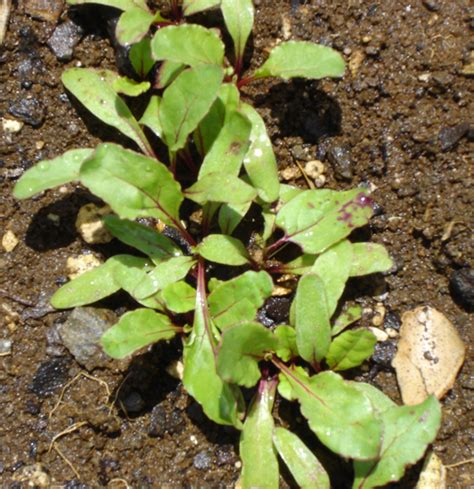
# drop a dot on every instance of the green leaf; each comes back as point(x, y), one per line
point(288, 192)
point(313, 331)
point(220, 401)
point(260, 162)
point(51, 173)
point(287, 348)
point(238, 17)
point(165, 273)
point(241, 348)
point(342, 417)
point(350, 349)
point(350, 315)
point(135, 330)
point(144, 238)
point(190, 44)
point(134, 24)
point(119, 4)
point(216, 187)
point(151, 116)
point(333, 267)
point(299, 266)
point(230, 216)
point(223, 249)
point(168, 72)
point(317, 219)
point(237, 301)
point(94, 89)
point(191, 7)
point(259, 460)
point(269, 219)
point(284, 385)
point(129, 87)
point(140, 57)
point(95, 284)
point(303, 465)
point(186, 101)
point(303, 60)
point(229, 148)
point(369, 258)
point(179, 297)
point(132, 184)
point(408, 430)
point(226, 103)
point(130, 271)
point(380, 402)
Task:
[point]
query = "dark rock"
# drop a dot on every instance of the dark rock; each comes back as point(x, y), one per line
point(75, 484)
point(277, 309)
point(340, 159)
point(431, 5)
point(225, 455)
point(40, 309)
point(450, 136)
point(203, 460)
point(133, 403)
point(158, 422)
point(29, 110)
point(63, 40)
point(384, 352)
point(461, 285)
point(175, 421)
point(28, 71)
point(298, 152)
point(81, 333)
point(32, 407)
point(50, 377)
point(392, 320)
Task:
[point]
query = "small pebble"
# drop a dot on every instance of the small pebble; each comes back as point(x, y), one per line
point(50, 377)
point(314, 169)
point(49, 10)
point(203, 460)
point(193, 440)
point(176, 369)
point(384, 352)
point(30, 110)
point(378, 333)
point(450, 136)
point(462, 286)
point(9, 241)
point(11, 125)
point(158, 423)
point(340, 159)
point(379, 314)
point(392, 321)
point(5, 347)
point(133, 403)
point(34, 476)
point(290, 173)
point(63, 40)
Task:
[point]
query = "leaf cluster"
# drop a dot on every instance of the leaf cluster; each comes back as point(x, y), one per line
point(219, 162)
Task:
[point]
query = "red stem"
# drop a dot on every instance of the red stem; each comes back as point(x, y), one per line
point(273, 248)
point(245, 81)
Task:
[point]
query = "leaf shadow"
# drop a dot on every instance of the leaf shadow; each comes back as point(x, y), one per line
point(301, 109)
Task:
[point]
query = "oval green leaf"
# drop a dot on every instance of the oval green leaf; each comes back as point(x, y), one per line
point(350, 349)
point(223, 249)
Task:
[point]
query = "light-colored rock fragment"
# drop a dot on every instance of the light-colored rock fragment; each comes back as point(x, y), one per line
point(90, 226)
point(285, 27)
point(34, 475)
point(11, 126)
point(379, 315)
point(433, 474)
point(176, 369)
point(290, 173)
point(430, 354)
point(378, 333)
point(77, 265)
point(9, 241)
point(314, 168)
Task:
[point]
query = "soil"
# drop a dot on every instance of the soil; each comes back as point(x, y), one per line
point(397, 122)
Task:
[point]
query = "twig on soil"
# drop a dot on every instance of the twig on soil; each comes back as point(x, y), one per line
point(54, 445)
point(61, 454)
point(80, 374)
point(302, 170)
point(117, 392)
point(462, 462)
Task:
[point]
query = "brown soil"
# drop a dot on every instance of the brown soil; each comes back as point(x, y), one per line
point(406, 88)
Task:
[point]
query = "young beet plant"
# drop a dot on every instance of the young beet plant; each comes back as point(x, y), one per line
point(219, 160)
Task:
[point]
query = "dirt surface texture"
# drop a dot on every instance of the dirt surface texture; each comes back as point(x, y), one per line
point(399, 122)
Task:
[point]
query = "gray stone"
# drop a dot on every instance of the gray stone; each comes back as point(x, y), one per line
point(81, 333)
point(203, 460)
point(462, 286)
point(133, 402)
point(30, 110)
point(63, 40)
point(50, 377)
point(341, 161)
point(450, 136)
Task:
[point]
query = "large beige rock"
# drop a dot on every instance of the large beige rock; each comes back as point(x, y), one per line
point(90, 226)
point(430, 354)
